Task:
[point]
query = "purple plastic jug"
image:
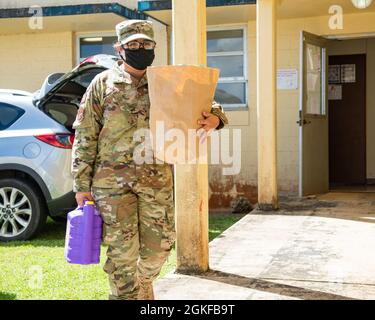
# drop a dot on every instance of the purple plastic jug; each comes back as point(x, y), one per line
point(83, 235)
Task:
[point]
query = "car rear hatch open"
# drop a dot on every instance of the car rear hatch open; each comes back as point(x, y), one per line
point(60, 94)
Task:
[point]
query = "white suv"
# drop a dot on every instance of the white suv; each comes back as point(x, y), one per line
point(36, 138)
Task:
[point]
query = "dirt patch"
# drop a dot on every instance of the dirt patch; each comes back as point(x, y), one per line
point(306, 205)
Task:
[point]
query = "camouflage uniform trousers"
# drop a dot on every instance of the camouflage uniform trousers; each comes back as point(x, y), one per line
point(139, 229)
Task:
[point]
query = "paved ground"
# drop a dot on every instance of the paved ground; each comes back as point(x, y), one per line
point(318, 248)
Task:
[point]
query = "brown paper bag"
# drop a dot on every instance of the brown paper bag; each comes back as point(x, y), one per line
point(179, 95)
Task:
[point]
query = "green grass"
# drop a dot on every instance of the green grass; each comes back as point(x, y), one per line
point(37, 269)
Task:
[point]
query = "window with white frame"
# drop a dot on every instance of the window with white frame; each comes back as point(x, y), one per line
point(226, 50)
point(89, 45)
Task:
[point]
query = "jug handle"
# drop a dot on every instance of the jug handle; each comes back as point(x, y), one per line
point(85, 201)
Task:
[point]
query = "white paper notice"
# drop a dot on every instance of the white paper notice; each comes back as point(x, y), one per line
point(287, 79)
point(348, 73)
point(334, 92)
point(334, 73)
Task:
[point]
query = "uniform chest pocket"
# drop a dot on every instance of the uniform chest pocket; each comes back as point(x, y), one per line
point(116, 117)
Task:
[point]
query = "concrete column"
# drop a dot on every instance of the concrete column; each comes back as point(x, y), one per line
point(191, 181)
point(266, 96)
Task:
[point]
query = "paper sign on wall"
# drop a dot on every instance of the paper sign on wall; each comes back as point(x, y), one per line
point(348, 73)
point(287, 79)
point(334, 73)
point(334, 92)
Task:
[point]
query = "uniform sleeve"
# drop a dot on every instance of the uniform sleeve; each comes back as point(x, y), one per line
point(218, 111)
point(87, 128)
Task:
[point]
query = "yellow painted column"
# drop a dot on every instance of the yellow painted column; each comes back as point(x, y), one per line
point(266, 96)
point(191, 181)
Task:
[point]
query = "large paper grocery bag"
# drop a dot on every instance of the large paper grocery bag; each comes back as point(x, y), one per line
point(178, 96)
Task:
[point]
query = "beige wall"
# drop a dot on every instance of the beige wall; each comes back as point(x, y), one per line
point(161, 38)
point(26, 59)
point(132, 4)
point(288, 38)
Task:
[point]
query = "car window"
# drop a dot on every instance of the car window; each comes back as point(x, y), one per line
point(9, 114)
point(63, 113)
point(86, 78)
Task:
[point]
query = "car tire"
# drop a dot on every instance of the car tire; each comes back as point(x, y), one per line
point(27, 219)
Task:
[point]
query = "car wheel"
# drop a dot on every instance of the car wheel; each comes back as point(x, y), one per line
point(22, 210)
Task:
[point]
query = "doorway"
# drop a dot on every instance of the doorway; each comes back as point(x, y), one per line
point(347, 120)
point(337, 110)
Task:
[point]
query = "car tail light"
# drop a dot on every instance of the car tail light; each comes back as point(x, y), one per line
point(59, 140)
point(89, 60)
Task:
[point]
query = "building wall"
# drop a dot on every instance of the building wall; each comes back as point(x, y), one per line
point(288, 57)
point(131, 4)
point(26, 59)
point(223, 188)
point(43, 57)
point(245, 183)
point(162, 43)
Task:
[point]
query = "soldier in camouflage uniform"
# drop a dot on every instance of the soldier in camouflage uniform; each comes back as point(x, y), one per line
point(135, 201)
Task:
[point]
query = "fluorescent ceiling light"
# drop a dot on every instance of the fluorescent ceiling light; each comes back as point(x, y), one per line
point(97, 39)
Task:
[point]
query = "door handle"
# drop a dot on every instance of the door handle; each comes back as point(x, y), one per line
point(303, 122)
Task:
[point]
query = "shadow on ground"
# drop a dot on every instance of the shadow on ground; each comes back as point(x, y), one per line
point(347, 206)
point(269, 286)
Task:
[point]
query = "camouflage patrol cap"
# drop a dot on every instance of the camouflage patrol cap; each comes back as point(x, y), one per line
point(130, 30)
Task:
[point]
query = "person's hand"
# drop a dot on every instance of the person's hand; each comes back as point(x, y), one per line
point(82, 196)
point(207, 124)
point(209, 121)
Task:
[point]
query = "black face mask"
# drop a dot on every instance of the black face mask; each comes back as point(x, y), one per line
point(139, 59)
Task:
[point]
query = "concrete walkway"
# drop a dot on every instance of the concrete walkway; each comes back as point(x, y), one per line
point(317, 248)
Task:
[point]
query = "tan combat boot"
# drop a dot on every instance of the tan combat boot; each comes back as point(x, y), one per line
point(146, 291)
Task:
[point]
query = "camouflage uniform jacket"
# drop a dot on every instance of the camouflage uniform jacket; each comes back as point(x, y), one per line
point(112, 109)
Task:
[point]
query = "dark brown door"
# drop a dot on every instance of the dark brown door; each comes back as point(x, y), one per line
point(347, 119)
